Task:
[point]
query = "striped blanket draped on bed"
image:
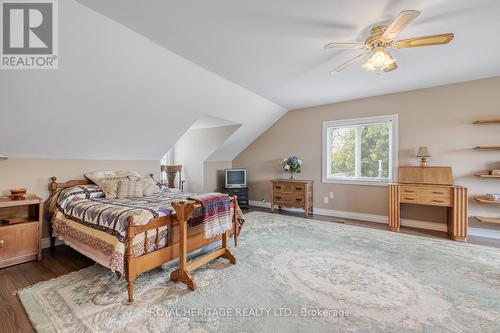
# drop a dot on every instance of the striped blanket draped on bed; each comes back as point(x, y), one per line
point(216, 213)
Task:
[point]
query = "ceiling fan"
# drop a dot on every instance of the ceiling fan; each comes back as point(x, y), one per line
point(383, 37)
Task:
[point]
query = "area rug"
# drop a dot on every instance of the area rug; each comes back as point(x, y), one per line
point(293, 275)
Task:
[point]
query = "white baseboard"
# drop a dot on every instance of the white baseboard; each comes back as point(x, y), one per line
point(486, 233)
point(46, 242)
point(478, 232)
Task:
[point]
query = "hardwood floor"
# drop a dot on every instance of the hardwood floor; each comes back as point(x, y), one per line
point(59, 261)
point(63, 260)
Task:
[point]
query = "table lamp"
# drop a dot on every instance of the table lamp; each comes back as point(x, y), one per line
point(423, 153)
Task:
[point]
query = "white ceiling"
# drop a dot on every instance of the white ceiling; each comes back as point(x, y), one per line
point(131, 90)
point(274, 48)
point(118, 95)
point(207, 121)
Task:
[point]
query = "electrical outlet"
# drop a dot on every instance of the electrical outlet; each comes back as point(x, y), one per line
point(331, 195)
point(325, 200)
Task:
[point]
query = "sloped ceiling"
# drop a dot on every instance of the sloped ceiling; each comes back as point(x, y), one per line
point(118, 95)
point(275, 47)
point(135, 75)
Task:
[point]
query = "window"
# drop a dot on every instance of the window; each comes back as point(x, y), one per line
point(360, 151)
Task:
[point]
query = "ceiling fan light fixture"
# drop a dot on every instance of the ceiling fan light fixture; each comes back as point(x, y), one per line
point(379, 61)
point(384, 36)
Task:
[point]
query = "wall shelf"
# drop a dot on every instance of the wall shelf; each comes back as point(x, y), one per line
point(487, 121)
point(483, 199)
point(484, 219)
point(487, 148)
point(485, 175)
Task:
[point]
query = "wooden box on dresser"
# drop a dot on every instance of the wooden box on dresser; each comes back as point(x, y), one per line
point(292, 193)
point(20, 230)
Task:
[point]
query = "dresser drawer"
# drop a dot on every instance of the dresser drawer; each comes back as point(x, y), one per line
point(288, 201)
point(18, 241)
point(289, 187)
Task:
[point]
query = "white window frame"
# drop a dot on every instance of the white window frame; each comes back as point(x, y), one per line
point(393, 147)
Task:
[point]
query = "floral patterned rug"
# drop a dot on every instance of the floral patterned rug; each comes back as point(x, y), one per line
point(293, 275)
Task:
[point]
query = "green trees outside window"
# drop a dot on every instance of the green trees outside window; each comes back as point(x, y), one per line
point(361, 151)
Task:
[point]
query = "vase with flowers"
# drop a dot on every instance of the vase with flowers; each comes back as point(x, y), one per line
point(291, 165)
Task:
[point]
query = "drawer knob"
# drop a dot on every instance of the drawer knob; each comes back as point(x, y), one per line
point(278, 198)
point(2, 243)
point(437, 200)
point(409, 199)
point(278, 187)
point(298, 199)
point(437, 192)
point(409, 191)
point(298, 188)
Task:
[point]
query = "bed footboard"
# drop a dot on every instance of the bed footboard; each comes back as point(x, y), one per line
point(184, 210)
point(182, 244)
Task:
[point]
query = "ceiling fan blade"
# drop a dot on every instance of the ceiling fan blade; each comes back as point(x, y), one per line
point(350, 62)
point(344, 46)
point(424, 41)
point(404, 18)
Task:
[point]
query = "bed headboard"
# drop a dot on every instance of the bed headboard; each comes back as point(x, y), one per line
point(54, 185)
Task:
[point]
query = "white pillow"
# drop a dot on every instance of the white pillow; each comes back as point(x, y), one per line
point(97, 175)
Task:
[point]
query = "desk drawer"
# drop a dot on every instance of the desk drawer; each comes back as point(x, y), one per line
point(430, 200)
point(443, 192)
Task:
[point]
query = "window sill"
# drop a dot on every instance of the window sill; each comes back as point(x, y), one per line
point(356, 182)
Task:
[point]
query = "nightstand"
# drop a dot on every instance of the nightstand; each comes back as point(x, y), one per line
point(21, 224)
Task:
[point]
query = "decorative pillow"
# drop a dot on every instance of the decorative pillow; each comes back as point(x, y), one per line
point(150, 185)
point(126, 173)
point(98, 175)
point(130, 189)
point(108, 180)
point(110, 186)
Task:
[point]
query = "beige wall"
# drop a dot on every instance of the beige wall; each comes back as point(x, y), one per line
point(34, 174)
point(193, 148)
point(440, 118)
point(214, 177)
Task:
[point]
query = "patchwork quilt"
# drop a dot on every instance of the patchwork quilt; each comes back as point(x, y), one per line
point(87, 205)
point(84, 214)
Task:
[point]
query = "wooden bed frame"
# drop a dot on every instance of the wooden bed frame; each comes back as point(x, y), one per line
point(181, 241)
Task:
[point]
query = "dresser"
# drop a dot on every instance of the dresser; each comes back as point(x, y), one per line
point(291, 193)
point(20, 230)
point(430, 186)
point(241, 195)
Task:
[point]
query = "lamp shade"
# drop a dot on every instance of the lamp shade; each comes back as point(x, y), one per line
point(423, 152)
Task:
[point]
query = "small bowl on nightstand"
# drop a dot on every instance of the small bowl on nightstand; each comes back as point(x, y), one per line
point(18, 193)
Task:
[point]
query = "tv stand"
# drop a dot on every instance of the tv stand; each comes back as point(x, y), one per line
point(241, 195)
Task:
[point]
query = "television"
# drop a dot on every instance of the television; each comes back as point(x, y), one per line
point(236, 178)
